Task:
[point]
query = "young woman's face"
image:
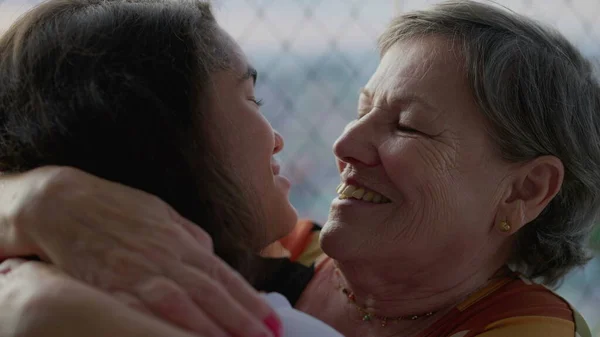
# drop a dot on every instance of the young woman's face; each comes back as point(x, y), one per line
point(250, 144)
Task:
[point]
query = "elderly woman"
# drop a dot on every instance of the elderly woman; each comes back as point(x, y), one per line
point(472, 169)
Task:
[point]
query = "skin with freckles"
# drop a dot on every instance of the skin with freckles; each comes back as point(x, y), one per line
point(420, 141)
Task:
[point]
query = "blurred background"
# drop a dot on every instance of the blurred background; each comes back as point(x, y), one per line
point(313, 56)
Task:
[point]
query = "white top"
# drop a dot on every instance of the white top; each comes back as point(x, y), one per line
point(295, 322)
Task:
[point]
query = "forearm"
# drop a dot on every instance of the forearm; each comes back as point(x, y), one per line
point(107, 235)
point(65, 309)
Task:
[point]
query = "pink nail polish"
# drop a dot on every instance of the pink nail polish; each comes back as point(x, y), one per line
point(274, 324)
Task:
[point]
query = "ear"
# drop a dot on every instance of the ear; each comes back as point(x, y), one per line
point(532, 187)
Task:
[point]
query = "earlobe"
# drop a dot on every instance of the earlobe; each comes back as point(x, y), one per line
point(504, 226)
point(511, 218)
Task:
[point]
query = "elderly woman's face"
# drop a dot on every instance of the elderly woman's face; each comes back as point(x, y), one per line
point(419, 159)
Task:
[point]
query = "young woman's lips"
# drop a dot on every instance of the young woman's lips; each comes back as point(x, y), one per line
point(276, 168)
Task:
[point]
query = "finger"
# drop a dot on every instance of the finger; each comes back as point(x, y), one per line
point(10, 264)
point(234, 284)
point(168, 301)
point(194, 230)
point(222, 307)
point(132, 302)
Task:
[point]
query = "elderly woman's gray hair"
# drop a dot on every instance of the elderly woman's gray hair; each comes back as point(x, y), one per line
point(540, 97)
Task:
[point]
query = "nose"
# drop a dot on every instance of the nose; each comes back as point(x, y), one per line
point(356, 145)
point(278, 142)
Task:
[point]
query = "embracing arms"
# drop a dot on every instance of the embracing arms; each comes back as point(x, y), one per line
point(38, 300)
point(127, 242)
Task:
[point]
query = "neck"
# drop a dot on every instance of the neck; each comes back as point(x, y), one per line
point(382, 290)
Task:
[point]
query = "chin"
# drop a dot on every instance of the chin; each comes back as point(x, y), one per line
point(292, 219)
point(334, 238)
point(286, 221)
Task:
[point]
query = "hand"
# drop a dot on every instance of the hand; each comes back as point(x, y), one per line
point(18, 294)
point(39, 300)
point(125, 241)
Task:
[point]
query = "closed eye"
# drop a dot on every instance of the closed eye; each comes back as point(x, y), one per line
point(408, 130)
point(258, 102)
point(404, 128)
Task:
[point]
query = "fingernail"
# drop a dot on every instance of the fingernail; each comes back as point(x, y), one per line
point(274, 324)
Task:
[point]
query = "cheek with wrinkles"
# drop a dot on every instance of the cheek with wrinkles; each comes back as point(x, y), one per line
point(410, 228)
point(437, 157)
point(423, 170)
point(413, 160)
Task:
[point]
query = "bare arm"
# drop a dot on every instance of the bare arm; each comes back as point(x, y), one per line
point(37, 301)
point(124, 240)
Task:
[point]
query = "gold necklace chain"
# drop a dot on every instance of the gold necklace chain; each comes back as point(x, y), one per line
point(368, 316)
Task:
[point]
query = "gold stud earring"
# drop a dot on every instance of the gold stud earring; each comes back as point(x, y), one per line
point(504, 226)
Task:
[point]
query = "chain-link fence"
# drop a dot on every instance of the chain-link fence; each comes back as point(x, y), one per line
point(314, 55)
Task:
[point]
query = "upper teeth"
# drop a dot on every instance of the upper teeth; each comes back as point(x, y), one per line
point(346, 191)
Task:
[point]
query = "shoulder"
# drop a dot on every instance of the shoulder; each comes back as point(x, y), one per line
point(512, 306)
point(289, 264)
point(303, 243)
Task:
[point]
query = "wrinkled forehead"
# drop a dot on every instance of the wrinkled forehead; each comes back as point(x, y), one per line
point(425, 60)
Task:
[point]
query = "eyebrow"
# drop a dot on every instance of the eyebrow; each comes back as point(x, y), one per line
point(250, 73)
point(407, 98)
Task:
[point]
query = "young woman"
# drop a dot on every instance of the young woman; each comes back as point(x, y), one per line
point(153, 95)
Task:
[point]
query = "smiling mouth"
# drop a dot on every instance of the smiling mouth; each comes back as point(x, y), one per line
point(349, 191)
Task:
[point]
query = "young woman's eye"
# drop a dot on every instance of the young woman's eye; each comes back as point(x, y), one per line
point(258, 102)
